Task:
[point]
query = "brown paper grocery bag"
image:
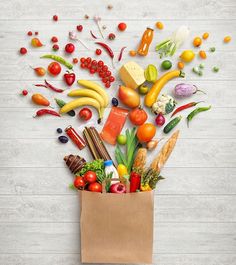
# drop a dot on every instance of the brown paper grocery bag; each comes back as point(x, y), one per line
point(116, 228)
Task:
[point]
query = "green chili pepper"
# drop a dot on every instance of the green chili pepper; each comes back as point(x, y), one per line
point(62, 103)
point(59, 59)
point(172, 124)
point(195, 112)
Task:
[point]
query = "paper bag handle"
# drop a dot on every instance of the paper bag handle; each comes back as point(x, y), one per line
point(124, 181)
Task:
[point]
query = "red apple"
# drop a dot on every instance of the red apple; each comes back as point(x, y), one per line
point(118, 188)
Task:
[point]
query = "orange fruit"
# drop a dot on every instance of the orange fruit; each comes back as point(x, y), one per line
point(146, 132)
point(159, 25)
point(197, 42)
point(205, 35)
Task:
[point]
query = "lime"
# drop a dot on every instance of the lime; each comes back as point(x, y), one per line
point(166, 65)
point(143, 89)
point(121, 139)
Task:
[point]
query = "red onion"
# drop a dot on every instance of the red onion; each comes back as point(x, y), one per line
point(160, 120)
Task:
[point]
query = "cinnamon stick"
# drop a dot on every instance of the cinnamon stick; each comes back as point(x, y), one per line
point(90, 144)
point(97, 136)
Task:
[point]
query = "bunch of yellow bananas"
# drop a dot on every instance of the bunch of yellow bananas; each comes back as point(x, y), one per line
point(93, 95)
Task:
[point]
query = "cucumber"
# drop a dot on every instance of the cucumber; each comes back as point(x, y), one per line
point(172, 124)
point(62, 103)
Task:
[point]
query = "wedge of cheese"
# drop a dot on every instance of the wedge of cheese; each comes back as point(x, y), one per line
point(132, 75)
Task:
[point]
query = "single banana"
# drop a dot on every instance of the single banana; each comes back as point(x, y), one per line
point(95, 87)
point(82, 102)
point(87, 93)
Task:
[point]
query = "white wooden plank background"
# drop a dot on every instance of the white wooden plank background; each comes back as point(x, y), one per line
point(195, 212)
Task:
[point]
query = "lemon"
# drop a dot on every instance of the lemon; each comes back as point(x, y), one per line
point(187, 56)
point(122, 170)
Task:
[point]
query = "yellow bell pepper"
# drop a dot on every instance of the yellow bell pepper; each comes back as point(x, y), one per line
point(145, 187)
point(122, 170)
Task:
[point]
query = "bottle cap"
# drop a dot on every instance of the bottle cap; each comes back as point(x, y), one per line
point(108, 163)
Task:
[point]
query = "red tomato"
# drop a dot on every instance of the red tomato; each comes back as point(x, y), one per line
point(138, 116)
point(70, 47)
point(54, 68)
point(122, 26)
point(95, 187)
point(85, 114)
point(90, 177)
point(79, 182)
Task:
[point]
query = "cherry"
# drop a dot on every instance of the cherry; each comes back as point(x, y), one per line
point(83, 65)
point(55, 17)
point(79, 28)
point(23, 50)
point(36, 33)
point(55, 47)
point(98, 51)
point(54, 39)
point(94, 62)
point(29, 33)
point(24, 92)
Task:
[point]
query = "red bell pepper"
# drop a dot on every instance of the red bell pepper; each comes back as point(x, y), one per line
point(135, 181)
point(69, 78)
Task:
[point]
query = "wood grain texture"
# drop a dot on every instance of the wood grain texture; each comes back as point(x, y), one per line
point(195, 212)
point(65, 238)
point(168, 208)
point(74, 259)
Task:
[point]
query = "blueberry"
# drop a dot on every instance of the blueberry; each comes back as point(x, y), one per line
point(59, 130)
point(63, 139)
point(115, 102)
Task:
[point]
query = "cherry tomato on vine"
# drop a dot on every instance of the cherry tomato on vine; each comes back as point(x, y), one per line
point(95, 187)
point(90, 177)
point(79, 182)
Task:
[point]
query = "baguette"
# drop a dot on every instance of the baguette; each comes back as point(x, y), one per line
point(140, 159)
point(165, 152)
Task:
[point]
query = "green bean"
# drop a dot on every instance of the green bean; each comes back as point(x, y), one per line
point(169, 126)
point(59, 59)
point(195, 112)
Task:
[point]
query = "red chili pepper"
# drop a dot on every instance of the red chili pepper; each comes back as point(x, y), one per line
point(186, 106)
point(41, 85)
point(107, 48)
point(43, 112)
point(93, 34)
point(58, 90)
point(135, 180)
point(121, 53)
